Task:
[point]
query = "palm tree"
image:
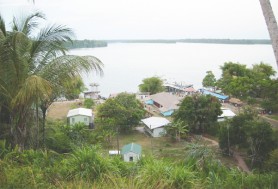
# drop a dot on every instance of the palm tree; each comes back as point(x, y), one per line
point(271, 25)
point(178, 128)
point(34, 69)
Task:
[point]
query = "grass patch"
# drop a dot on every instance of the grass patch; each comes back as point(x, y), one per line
point(273, 116)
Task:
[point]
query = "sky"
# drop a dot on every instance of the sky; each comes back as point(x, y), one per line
point(149, 19)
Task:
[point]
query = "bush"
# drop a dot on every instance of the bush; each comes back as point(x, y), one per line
point(89, 103)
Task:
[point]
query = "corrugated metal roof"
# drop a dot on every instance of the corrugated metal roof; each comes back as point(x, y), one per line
point(227, 113)
point(132, 147)
point(219, 96)
point(80, 111)
point(155, 122)
point(167, 100)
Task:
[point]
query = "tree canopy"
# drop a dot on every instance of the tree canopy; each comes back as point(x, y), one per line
point(124, 112)
point(209, 80)
point(199, 111)
point(152, 85)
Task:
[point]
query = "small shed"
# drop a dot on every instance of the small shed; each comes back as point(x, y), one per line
point(80, 115)
point(155, 126)
point(131, 152)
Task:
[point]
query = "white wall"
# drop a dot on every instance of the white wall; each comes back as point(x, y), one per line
point(135, 156)
point(158, 132)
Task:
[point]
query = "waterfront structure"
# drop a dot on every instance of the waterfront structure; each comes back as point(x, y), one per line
point(179, 89)
point(155, 126)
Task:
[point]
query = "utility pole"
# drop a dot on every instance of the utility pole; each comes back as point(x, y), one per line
point(118, 145)
point(229, 140)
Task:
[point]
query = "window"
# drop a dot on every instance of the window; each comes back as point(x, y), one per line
point(72, 120)
point(85, 119)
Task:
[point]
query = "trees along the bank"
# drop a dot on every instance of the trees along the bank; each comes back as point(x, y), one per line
point(242, 82)
point(209, 80)
point(199, 111)
point(33, 70)
point(152, 85)
point(271, 25)
point(122, 112)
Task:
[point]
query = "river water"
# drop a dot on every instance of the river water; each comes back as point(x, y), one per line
point(127, 64)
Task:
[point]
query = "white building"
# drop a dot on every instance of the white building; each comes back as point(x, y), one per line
point(227, 113)
point(155, 126)
point(80, 115)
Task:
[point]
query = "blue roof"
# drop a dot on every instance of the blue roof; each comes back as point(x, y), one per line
point(219, 96)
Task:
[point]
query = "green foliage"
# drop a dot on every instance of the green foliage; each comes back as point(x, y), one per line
point(261, 142)
point(247, 131)
point(123, 112)
point(199, 111)
point(86, 163)
point(152, 85)
point(272, 162)
point(242, 82)
point(209, 80)
point(178, 129)
point(87, 167)
point(34, 71)
point(73, 88)
point(89, 103)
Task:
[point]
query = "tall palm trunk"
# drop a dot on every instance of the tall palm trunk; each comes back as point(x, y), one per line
point(271, 25)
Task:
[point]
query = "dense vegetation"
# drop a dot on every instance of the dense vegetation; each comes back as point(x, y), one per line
point(152, 85)
point(200, 112)
point(34, 71)
point(256, 85)
point(121, 113)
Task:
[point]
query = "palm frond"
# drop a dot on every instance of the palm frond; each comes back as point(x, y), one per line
point(2, 27)
point(33, 90)
point(28, 23)
point(66, 67)
point(50, 42)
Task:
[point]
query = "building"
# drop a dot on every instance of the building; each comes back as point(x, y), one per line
point(131, 152)
point(226, 114)
point(165, 102)
point(93, 93)
point(155, 126)
point(81, 115)
point(219, 96)
point(178, 88)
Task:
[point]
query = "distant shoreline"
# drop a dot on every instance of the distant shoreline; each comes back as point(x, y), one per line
point(212, 41)
point(104, 43)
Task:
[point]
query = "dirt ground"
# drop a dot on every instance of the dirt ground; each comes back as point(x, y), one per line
point(59, 110)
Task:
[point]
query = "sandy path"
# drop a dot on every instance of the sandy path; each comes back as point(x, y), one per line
point(240, 161)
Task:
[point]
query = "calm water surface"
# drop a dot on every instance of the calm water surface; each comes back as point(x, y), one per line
point(125, 65)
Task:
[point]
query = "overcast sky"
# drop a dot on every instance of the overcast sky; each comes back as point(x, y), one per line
point(150, 19)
